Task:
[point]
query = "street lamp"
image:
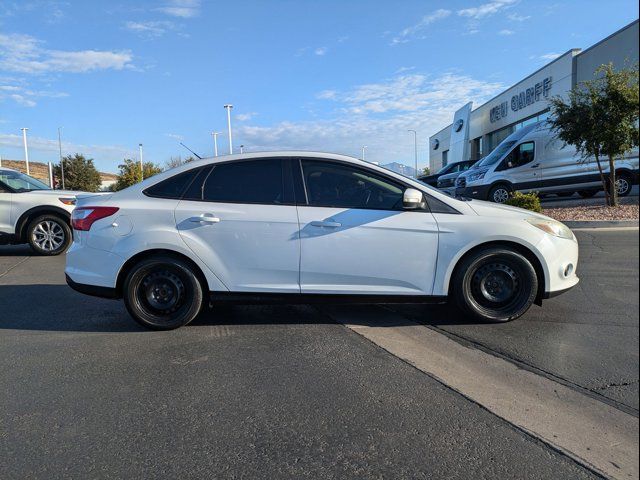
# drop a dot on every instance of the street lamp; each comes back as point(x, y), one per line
point(26, 149)
point(415, 149)
point(61, 160)
point(363, 149)
point(228, 107)
point(241, 148)
point(141, 167)
point(215, 142)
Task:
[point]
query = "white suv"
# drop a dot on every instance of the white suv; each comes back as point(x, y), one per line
point(299, 227)
point(31, 212)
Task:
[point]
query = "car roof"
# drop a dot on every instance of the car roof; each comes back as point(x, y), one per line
point(5, 169)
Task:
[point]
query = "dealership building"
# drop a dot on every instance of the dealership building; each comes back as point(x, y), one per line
point(475, 132)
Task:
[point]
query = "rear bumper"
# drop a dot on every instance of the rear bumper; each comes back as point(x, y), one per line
point(93, 290)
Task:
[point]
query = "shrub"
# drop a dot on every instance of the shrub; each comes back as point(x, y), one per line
point(528, 201)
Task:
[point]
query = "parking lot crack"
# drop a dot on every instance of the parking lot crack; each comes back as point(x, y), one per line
point(14, 266)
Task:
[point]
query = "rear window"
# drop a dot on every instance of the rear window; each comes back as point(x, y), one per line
point(172, 187)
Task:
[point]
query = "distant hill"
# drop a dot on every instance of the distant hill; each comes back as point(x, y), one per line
point(400, 168)
point(40, 170)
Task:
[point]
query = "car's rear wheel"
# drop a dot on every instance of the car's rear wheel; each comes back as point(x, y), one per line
point(49, 235)
point(162, 293)
point(624, 184)
point(499, 193)
point(495, 284)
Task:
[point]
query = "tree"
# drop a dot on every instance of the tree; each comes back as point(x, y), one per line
point(130, 173)
point(79, 173)
point(174, 162)
point(600, 119)
point(426, 171)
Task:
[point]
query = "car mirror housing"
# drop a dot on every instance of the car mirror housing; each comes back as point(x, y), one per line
point(412, 199)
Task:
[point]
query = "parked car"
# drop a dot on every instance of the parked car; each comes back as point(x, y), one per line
point(299, 227)
point(31, 212)
point(456, 167)
point(533, 159)
point(447, 183)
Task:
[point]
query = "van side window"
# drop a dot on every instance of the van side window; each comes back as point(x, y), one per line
point(521, 155)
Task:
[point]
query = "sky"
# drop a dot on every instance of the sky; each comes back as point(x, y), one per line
point(312, 75)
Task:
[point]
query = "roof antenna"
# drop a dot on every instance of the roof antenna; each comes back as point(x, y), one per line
point(199, 157)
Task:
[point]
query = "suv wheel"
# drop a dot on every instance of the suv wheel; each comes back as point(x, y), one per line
point(495, 284)
point(162, 293)
point(623, 185)
point(49, 235)
point(499, 193)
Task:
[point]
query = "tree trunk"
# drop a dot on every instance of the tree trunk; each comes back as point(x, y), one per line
point(605, 186)
point(613, 197)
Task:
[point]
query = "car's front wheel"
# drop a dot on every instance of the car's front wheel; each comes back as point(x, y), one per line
point(162, 293)
point(499, 193)
point(49, 235)
point(495, 284)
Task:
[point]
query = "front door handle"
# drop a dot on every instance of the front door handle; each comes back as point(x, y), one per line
point(535, 166)
point(319, 223)
point(205, 218)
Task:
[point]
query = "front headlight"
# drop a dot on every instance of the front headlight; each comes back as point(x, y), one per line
point(472, 177)
point(552, 227)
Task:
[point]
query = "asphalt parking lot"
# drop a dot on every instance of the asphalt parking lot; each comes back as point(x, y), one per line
point(286, 392)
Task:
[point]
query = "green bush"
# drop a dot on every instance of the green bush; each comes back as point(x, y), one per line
point(528, 201)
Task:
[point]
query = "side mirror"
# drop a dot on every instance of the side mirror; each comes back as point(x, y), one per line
point(412, 199)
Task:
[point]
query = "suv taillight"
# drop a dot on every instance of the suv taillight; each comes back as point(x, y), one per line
point(82, 218)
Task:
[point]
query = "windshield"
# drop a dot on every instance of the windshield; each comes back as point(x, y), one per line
point(21, 182)
point(443, 170)
point(497, 154)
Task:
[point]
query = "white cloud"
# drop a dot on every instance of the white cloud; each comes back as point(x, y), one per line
point(506, 32)
point(516, 17)
point(377, 115)
point(411, 32)
point(24, 54)
point(486, 9)
point(181, 8)
point(150, 29)
point(243, 117)
point(25, 96)
point(549, 56)
point(320, 51)
point(41, 144)
point(175, 136)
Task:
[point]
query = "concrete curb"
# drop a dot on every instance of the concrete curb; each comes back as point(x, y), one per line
point(601, 223)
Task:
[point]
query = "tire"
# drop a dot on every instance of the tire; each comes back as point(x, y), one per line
point(587, 193)
point(499, 193)
point(624, 184)
point(494, 284)
point(162, 293)
point(49, 235)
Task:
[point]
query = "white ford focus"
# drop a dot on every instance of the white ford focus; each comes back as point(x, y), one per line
point(299, 227)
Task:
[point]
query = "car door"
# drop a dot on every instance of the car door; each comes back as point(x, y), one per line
point(521, 167)
point(240, 219)
point(6, 226)
point(355, 238)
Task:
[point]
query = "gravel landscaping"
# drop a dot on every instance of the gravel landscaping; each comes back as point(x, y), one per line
point(593, 212)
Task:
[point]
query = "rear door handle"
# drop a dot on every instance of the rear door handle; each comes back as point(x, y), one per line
point(318, 223)
point(205, 218)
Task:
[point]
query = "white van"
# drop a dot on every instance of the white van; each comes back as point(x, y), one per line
point(533, 159)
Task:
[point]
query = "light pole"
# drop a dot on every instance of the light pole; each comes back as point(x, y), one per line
point(415, 150)
point(141, 167)
point(363, 149)
point(26, 150)
point(228, 107)
point(215, 143)
point(61, 159)
point(241, 148)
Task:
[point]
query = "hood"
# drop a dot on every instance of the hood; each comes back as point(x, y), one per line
point(490, 209)
point(450, 175)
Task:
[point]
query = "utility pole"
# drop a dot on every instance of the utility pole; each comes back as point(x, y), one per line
point(61, 159)
point(215, 143)
point(141, 164)
point(415, 150)
point(228, 107)
point(26, 150)
point(363, 149)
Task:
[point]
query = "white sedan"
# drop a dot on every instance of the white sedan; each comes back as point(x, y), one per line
point(299, 227)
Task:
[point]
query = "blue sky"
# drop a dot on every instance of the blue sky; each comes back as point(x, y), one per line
point(322, 75)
